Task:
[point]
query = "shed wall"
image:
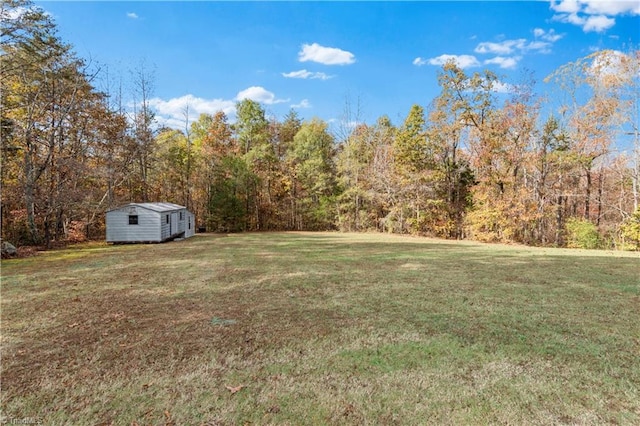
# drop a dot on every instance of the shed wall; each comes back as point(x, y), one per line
point(190, 226)
point(173, 226)
point(119, 230)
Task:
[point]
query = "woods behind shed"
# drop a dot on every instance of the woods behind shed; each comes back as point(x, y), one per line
point(149, 222)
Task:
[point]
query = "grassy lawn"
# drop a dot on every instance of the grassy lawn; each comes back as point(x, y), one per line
point(326, 328)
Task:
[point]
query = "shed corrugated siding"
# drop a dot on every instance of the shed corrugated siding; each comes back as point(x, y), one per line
point(190, 231)
point(119, 230)
point(181, 223)
point(164, 231)
point(177, 227)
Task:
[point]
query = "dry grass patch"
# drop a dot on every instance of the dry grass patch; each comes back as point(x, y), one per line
point(302, 328)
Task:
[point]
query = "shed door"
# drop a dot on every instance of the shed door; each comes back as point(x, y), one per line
point(173, 227)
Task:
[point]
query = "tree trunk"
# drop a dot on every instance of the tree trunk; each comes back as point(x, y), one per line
point(600, 185)
point(587, 199)
point(635, 177)
point(29, 192)
point(559, 240)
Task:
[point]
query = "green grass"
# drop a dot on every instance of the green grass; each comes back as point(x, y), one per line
point(326, 328)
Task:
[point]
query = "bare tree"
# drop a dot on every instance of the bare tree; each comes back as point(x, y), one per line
point(143, 130)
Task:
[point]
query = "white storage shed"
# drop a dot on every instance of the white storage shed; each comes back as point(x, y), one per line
point(149, 223)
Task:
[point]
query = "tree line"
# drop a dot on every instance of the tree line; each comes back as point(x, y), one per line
point(485, 160)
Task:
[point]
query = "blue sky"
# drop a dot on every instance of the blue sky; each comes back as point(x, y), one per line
point(380, 57)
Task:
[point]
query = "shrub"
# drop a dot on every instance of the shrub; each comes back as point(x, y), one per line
point(630, 230)
point(582, 234)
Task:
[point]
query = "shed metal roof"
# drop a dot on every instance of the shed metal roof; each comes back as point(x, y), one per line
point(156, 207)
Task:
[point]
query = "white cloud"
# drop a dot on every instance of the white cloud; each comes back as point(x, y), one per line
point(304, 74)
point(325, 55)
point(173, 122)
point(598, 23)
point(549, 36)
point(259, 94)
point(613, 67)
point(593, 15)
point(463, 61)
point(508, 47)
point(20, 12)
point(197, 106)
point(297, 74)
point(565, 6)
point(352, 124)
point(132, 15)
point(500, 87)
point(539, 46)
point(303, 104)
point(505, 47)
point(507, 53)
point(172, 112)
point(321, 76)
point(13, 14)
point(571, 18)
point(611, 7)
point(341, 125)
point(504, 62)
point(420, 61)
